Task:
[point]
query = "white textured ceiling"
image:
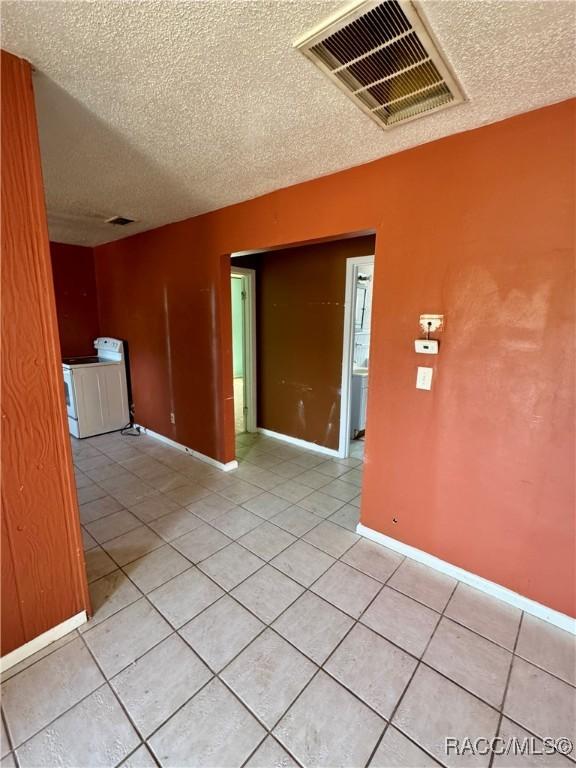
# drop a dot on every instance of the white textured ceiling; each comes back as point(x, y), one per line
point(163, 110)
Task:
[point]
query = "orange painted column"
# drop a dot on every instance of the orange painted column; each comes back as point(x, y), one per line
point(43, 573)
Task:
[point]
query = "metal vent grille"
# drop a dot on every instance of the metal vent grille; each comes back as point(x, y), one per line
point(384, 57)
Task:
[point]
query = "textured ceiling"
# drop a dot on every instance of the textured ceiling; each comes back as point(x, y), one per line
point(163, 110)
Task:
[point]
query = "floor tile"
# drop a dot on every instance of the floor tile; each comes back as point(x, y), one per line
point(346, 588)
point(100, 507)
point(231, 565)
point(512, 733)
point(314, 626)
point(423, 584)
point(291, 491)
point(396, 751)
point(113, 525)
point(331, 538)
point(288, 470)
point(473, 662)
point(268, 675)
point(313, 479)
point(8, 761)
point(239, 491)
point(114, 642)
point(88, 493)
point(338, 489)
point(156, 568)
point(321, 504)
point(212, 730)
point(309, 460)
point(303, 562)
point(296, 521)
point(96, 732)
point(484, 614)
point(347, 516)
point(211, 507)
point(236, 522)
point(267, 593)
point(332, 469)
point(184, 596)
point(88, 541)
point(42, 692)
point(159, 683)
point(175, 524)
point(548, 647)
point(374, 669)
point(98, 564)
point(328, 727)
point(433, 708)
point(541, 703)
point(267, 540)
point(200, 543)
point(153, 508)
point(108, 595)
point(140, 758)
point(270, 755)
point(4, 743)
point(402, 620)
point(132, 545)
point(221, 632)
point(46, 651)
point(266, 505)
point(373, 559)
point(186, 494)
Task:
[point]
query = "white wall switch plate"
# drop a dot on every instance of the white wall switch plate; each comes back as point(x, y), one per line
point(431, 323)
point(426, 346)
point(424, 378)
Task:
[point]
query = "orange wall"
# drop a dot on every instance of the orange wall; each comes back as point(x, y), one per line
point(43, 576)
point(479, 226)
point(76, 301)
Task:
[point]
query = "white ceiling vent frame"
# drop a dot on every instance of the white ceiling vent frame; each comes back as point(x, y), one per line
point(412, 78)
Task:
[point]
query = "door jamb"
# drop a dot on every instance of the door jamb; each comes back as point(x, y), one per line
point(352, 267)
point(249, 314)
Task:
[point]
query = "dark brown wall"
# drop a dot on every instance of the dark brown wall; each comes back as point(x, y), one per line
point(43, 575)
point(300, 326)
point(76, 300)
point(479, 226)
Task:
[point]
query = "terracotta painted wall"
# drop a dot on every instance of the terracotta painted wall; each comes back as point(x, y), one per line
point(43, 576)
point(479, 226)
point(300, 327)
point(76, 300)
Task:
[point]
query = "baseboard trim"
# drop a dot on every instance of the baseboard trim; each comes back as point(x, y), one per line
point(41, 641)
point(190, 451)
point(299, 443)
point(478, 582)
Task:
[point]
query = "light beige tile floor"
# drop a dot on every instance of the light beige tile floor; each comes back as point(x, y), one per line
point(241, 621)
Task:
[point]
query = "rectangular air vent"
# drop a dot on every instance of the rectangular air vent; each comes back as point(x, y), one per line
point(383, 56)
point(120, 221)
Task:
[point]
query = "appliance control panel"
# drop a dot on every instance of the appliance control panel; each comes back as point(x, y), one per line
point(105, 342)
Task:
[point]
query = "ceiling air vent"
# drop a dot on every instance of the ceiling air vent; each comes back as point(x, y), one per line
point(383, 55)
point(120, 221)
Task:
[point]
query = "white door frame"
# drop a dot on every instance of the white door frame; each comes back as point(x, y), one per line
point(249, 305)
point(352, 268)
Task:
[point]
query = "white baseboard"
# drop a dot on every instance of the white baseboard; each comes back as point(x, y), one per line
point(190, 451)
point(299, 443)
point(478, 582)
point(41, 641)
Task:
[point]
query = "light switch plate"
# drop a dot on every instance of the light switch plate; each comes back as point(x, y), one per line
point(424, 378)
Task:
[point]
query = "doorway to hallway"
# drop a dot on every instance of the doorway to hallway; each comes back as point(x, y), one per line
point(242, 284)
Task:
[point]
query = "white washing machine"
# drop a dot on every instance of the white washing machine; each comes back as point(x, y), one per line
point(96, 391)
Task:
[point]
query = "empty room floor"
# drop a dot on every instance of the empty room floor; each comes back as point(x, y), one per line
point(240, 620)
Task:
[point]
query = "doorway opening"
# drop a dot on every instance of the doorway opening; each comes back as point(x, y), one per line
point(356, 355)
point(242, 284)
